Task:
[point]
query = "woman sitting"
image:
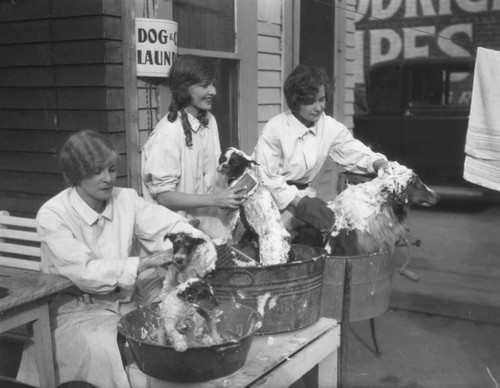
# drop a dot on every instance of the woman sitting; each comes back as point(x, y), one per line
point(87, 233)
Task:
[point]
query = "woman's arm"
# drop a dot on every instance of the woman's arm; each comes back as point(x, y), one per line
point(352, 154)
point(227, 199)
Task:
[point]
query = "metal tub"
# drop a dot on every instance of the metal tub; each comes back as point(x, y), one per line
point(195, 364)
point(288, 296)
point(370, 285)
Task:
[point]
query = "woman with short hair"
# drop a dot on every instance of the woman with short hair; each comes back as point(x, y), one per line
point(295, 144)
point(87, 232)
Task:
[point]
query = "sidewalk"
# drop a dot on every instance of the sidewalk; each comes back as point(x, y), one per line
point(458, 263)
point(423, 351)
point(443, 331)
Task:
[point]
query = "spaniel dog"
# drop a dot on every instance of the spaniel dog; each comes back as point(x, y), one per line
point(373, 216)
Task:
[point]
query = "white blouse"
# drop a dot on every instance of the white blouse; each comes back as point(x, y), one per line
point(287, 150)
point(169, 165)
point(94, 250)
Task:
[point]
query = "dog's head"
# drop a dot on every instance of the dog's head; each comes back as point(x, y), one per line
point(233, 163)
point(402, 185)
point(184, 246)
point(197, 292)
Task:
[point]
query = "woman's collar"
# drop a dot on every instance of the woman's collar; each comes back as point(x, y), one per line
point(195, 123)
point(86, 212)
point(300, 128)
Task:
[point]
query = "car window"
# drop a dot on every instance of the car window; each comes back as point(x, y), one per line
point(439, 86)
point(385, 89)
point(460, 87)
point(426, 86)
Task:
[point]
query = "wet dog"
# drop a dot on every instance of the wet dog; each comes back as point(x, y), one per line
point(194, 256)
point(374, 216)
point(189, 316)
point(259, 212)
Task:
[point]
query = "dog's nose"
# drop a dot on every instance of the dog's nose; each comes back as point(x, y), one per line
point(178, 260)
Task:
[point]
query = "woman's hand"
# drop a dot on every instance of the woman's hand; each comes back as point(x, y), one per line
point(230, 198)
point(155, 260)
point(379, 163)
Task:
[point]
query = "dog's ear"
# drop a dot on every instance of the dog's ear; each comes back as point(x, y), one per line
point(197, 241)
point(254, 162)
point(170, 236)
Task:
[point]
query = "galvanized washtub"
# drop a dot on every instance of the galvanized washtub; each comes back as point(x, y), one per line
point(370, 285)
point(288, 296)
point(196, 364)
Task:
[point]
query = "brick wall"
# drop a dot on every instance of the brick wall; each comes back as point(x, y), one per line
point(399, 30)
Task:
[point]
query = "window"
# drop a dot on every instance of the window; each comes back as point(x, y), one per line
point(208, 28)
point(206, 25)
point(439, 85)
point(460, 87)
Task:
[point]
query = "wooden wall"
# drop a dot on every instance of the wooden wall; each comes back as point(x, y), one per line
point(350, 67)
point(270, 60)
point(60, 72)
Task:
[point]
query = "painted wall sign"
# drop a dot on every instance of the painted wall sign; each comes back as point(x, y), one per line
point(404, 29)
point(156, 45)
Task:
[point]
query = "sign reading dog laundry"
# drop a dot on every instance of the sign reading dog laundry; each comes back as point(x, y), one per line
point(156, 45)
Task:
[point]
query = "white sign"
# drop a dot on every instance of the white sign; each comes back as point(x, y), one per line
point(156, 45)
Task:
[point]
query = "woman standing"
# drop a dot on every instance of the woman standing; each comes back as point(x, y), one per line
point(294, 146)
point(179, 161)
point(87, 233)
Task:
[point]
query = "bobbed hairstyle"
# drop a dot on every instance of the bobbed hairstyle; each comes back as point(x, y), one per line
point(302, 85)
point(84, 154)
point(188, 70)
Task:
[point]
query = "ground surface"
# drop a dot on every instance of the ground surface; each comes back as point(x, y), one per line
point(420, 350)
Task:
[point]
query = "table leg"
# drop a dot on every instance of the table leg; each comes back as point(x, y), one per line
point(43, 346)
point(344, 325)
point(327, 371)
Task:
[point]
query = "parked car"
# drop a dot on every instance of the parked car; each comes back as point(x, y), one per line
point(417, 114)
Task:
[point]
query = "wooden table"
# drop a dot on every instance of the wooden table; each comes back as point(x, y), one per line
point(274, 361)
point(27, 302)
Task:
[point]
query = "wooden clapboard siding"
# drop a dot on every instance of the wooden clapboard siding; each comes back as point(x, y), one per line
point(38, 9)
point(350, 31)
point(42, 162)
point(61, 53)
point(83, 28)
point(36, 183)
point(60, 72)
point(269, 95)
point(270, 79)
point(267, 112)
point(77, 75)
point(22, 204)
point(270, 60)
point(90, 98)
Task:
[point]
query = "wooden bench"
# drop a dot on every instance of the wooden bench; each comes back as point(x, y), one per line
point(24, 312)
point(19, 242)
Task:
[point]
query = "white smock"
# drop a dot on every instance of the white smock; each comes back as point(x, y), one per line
point(287, 150)
point(93, 250)
point(169, 165)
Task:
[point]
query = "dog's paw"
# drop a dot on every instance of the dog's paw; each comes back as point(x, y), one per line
point(180, 345)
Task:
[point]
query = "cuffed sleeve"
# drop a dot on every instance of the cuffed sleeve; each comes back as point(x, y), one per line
point(352, 154)
point(161, 160)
